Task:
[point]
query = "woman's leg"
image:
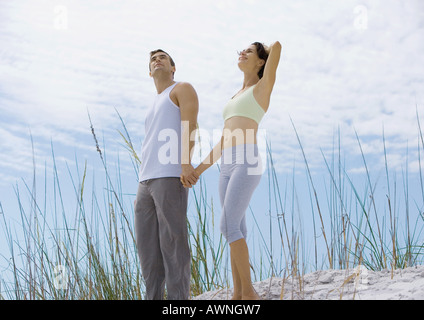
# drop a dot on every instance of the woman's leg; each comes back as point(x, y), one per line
point(238, 192)
point(240, 259)
point(224, 178)
point(238, 189)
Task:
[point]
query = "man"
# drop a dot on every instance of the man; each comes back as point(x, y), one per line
point(161, 202)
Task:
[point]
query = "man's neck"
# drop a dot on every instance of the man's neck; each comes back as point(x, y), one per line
point(161, 84)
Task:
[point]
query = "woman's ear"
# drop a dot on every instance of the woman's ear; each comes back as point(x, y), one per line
point(261, 62)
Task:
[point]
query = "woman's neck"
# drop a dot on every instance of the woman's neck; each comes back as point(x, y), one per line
point(250, 79)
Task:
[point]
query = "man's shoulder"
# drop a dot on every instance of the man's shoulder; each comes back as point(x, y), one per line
point(183, 91)
point(184, 86)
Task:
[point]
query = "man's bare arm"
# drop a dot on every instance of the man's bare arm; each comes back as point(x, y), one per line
point(189, 108)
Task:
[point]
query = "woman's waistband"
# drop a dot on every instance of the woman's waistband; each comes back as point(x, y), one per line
point(241, 154)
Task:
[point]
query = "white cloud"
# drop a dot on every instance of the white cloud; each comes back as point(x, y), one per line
point(331, 74)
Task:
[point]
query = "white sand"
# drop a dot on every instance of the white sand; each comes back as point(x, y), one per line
point(357, 283)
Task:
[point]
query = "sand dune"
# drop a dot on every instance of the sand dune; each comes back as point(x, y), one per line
point(358, 283)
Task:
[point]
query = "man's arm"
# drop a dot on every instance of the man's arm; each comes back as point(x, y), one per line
point(189, 107)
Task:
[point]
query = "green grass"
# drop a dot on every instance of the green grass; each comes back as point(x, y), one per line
point(90, 233)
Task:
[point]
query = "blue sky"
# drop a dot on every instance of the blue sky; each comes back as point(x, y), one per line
point(348, 65)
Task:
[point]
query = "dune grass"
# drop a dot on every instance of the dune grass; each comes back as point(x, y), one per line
point(82, 245)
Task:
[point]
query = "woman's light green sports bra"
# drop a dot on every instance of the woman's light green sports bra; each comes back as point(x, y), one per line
point(244, 105)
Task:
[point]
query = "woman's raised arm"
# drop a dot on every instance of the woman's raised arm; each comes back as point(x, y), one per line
point(270, 72)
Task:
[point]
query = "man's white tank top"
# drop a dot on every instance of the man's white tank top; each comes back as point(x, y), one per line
point(161, 150)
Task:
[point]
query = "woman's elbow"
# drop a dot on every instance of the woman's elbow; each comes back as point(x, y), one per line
point(276, 45)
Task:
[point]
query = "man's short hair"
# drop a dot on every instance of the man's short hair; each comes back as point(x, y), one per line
point(170, 58)
point(160, 50)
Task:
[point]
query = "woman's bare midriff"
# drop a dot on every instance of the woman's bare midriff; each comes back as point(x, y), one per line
point(239, 130)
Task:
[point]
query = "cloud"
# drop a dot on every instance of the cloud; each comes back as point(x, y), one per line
point(332, 74)
point(352, 79)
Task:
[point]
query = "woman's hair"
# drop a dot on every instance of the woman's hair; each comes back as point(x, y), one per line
point(262, 54)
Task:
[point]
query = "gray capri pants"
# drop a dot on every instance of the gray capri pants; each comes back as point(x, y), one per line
point(241, 171)
point(162, 238)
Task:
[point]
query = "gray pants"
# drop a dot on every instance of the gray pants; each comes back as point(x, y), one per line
point(162, 238)
point(241, 168)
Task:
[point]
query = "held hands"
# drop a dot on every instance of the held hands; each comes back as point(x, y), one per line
point(189, 176)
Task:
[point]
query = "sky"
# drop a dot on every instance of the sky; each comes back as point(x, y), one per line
point(354, 67)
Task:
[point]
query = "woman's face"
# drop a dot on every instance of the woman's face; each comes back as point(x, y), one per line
point(249, 60)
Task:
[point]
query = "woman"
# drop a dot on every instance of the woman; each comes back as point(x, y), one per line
point(240, 175)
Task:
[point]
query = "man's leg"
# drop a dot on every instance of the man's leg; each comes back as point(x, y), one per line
point(148, 246)
point(171, 204)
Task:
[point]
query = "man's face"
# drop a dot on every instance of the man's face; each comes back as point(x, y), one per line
point(160, 62)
